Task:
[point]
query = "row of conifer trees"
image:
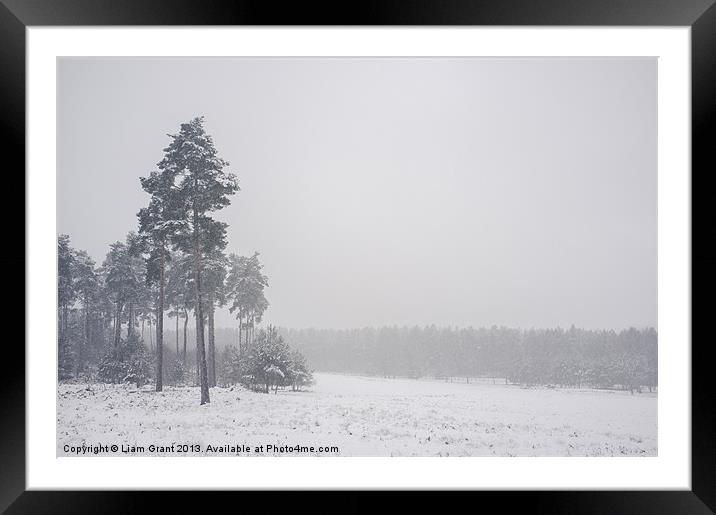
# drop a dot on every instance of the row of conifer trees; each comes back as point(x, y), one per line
point(573, 357)
point(174, 265)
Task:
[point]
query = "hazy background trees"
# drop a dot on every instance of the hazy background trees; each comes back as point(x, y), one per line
point(95, 303)
point(245, 290)
point(573, 357)
point(176, 265)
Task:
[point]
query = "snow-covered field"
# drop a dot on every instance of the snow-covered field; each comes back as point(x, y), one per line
point(362, 416)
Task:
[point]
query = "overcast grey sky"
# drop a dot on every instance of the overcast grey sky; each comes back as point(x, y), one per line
point(518, 192)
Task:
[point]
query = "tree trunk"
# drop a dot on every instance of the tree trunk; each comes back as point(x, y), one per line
point(117, 325)
point(106, 327)
point(60, 323)
point(160, 322)
point(201, 352)
point(65, 322)
point(176, 332)
point(212, 353)
point(151, 339)
point(196, 356)
point(130, 322)
point(186, 322)
point(86, 343)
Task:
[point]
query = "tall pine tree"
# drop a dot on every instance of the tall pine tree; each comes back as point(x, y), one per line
point(202, 187)
point(156, 223)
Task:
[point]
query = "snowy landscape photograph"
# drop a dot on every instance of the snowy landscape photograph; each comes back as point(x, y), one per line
point(387, 257)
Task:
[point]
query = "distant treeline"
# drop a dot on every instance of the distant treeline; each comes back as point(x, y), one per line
point(572, 357)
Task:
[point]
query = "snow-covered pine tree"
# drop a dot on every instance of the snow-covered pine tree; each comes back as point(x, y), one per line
point(156, 225)
point(202, 187)
point(124, 279)
point(87, 288)
point(245, 286)
point(66, 295)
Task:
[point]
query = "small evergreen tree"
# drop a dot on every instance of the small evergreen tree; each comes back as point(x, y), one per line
point(177, 372)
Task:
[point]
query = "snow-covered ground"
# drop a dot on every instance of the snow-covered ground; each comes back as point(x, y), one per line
point(362, 416)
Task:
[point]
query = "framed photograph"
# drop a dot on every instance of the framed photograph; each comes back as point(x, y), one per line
point(446, 246)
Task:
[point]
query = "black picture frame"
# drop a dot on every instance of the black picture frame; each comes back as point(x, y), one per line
point(700, 15)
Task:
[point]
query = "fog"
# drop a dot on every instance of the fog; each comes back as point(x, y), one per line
point(467, 192)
